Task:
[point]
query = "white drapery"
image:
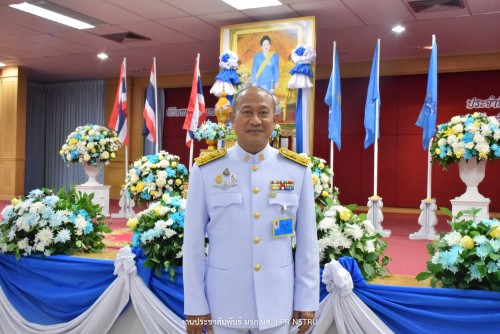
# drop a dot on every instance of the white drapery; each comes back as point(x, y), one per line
point(340, 312)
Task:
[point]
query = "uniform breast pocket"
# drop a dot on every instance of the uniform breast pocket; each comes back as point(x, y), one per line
point(225, 200)
point(287, 202)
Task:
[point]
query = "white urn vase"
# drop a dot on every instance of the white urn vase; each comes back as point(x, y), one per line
point(472, 173)
point(91, 171)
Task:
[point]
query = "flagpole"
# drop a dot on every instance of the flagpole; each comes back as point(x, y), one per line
point(333, 97)
point(127, 202)
point(197, 66)
point(156, 108)
point(429, 158)
point(377, 112)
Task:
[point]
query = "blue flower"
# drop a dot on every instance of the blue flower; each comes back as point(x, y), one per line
point(35, 193)
point(492, 267)
point(88, 228)
point(300, 51)
point(7, 213)
point(175, 202)
point(170, 172)
point(225, 57)
point(482, 251)
point(50, 200)
point(468, 138)
point(469, 121)
point(181, 168)
point(449, 258)
point(495, 244)
point(152, 158)
point(475, 274)
point(145, 195)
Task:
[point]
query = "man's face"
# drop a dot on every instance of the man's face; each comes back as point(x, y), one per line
point(253, 121)
point(266, 46)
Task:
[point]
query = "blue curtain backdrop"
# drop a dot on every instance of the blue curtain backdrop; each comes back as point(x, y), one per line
point(56, 289)
point(53, 111)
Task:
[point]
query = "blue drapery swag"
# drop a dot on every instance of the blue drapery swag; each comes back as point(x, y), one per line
point(57, 289)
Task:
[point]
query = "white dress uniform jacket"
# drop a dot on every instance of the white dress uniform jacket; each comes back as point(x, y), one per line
point(250, 279)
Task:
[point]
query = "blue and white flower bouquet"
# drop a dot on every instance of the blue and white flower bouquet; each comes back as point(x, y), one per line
point(90, 144)
point(49, 223)
point(159, 231)
point(211, 131)
point(464, 137)
point(152, 176)
point(468, 257)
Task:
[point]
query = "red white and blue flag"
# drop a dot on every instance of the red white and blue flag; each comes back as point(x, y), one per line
point(149, 112)
point(118, 119)
point(196, 113)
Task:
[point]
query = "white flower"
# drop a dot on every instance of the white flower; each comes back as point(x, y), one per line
point(105, 155)
point(86, 157)
point(63, 235)
point(370, 246)
point(134, 178)
point(169, 232)
point(459, 128)
point(90, 145)
point(354, 231)
point(442, 142)
point(456, 119)
point(44, 237)
point(102, 141)
point(324, 178)
point(23, 243)
point(368, 226)
point(161, 182)
point(164, 164)
point(435, 258)
point(80, 223)
point(453, 238)
point(326, 223)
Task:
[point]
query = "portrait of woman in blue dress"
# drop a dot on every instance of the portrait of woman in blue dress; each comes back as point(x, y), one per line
point(265, 67)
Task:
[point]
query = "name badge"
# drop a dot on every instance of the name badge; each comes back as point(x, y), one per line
point(283, 227)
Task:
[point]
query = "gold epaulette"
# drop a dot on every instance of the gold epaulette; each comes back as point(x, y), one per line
point(298, 158)
point(207, 157)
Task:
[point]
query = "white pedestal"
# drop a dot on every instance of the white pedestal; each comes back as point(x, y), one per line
point(126, 206)
point(458, 204)
point(427, 221)
point(376, 216)
point(101, 195)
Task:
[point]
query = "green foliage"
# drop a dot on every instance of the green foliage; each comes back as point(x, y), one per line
point(467, 257)
point(343, 233)
point(45, 222)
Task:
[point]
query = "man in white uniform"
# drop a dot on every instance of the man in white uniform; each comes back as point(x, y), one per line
point(251, 201)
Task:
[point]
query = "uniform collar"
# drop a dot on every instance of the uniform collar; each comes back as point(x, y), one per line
point(252, 158)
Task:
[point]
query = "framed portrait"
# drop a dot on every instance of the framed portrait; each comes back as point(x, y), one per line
point(264, 52)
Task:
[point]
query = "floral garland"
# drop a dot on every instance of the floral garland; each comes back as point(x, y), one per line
point(303, 56)
point(159, 231)
point(343, 233)
point(276, 132)
point(468, 257)
point(227, 79)
point(472, 135)
point(49, 223)
point(321, 178)
point(210, 130)
point(152, 176)
point(90, 144)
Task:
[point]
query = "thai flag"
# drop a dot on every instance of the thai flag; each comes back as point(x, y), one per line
point(118, 119)
point(196, 113)
point(149, 112)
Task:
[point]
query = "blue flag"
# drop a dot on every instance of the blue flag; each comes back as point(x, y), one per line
point(427, 117)
point(333, 99)
point(372, 102)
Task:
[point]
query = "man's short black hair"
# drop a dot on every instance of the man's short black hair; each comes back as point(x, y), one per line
point(265, 38)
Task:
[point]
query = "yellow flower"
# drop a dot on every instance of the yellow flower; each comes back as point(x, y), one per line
point(324, 193)
point(314, 178)
point(152, 192)
point(133, 222)
point(345, 214)
point(165, 197)
point(157, 210)
point(178, 182)
point(483, 155)
point(93, 150)
point(144, 159)
point(15, 201)
point(61, 152)
point(458, 154)
point(438, 150)
point(132, 189)
point(467, 242)
point(321, 165)
point(73, 141)
point(160, 157)
point(153, 166)
point(495, 233)
point(87, 127)
point(113, 155)
point(448, 132)
point(460, 135)
point(84, 137)
point(173, 164)
point(140, 186)
point(105, 133)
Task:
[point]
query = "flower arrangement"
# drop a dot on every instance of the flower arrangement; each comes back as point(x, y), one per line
point(159, 231)
point(49, 223)
point(472, 135)
point(344, 233)
point(321, 178)
point(210, 130)
point(468, 257)
point(276, 132)
point(152, 176)
point(90, 144)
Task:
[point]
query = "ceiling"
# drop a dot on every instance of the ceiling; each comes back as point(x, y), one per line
point(179, 29)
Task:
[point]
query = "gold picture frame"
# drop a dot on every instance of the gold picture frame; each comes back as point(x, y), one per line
point(245, 40)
